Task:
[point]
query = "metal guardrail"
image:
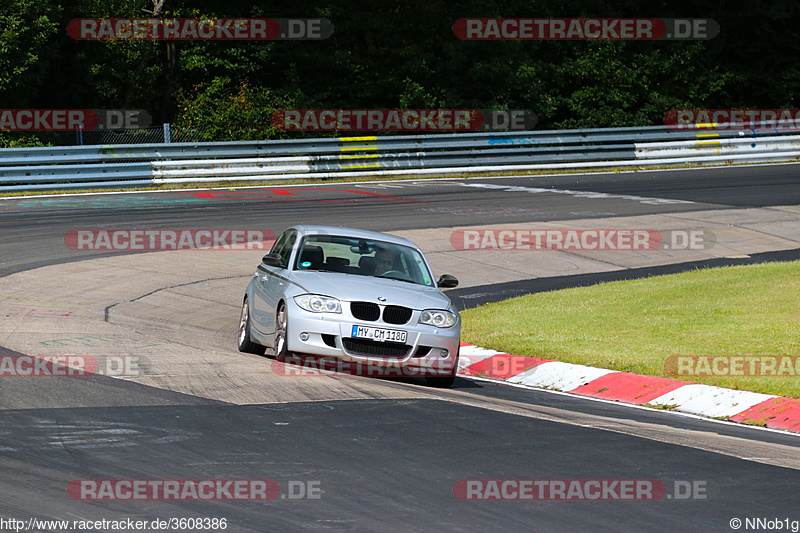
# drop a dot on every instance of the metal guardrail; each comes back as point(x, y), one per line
point(143, 165)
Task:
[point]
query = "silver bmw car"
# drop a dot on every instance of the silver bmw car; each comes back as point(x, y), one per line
point(361, 297)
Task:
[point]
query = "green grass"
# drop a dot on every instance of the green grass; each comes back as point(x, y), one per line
point(634, 326)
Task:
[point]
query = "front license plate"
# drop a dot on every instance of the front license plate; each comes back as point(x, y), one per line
point(379, 334)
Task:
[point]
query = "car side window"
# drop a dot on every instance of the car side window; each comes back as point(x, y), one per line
point(286, 250)
point(279, 243)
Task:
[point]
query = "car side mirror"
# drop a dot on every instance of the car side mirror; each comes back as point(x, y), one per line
point(447, 282)
point(273, 260)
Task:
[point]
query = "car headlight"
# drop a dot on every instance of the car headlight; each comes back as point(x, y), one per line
point(318, 304)
point(438, 318)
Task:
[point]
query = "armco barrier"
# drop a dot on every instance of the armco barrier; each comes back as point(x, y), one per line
point(131, 165)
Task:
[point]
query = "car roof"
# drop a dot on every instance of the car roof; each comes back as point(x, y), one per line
point(304, 229)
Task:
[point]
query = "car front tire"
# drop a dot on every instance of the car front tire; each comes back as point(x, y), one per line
point(444, 382)
point(281, 333)
point(245, 344)
point(440, 382)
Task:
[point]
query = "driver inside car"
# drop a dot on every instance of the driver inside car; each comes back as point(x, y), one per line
point(385, 261)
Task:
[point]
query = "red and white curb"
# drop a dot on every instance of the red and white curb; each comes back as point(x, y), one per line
point(775, 412)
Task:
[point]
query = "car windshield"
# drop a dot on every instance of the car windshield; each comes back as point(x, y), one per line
point(362, 257)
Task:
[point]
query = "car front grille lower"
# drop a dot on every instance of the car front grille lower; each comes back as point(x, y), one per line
point(329, 340)
point(375, 348)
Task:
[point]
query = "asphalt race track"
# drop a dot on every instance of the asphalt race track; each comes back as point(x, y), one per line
point(174, 400)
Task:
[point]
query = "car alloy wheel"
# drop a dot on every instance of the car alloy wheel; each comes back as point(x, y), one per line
point(245, 344)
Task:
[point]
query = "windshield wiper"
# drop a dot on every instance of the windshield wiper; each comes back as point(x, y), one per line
point(398, 279)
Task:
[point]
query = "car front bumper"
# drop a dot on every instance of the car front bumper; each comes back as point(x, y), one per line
point(427, 351)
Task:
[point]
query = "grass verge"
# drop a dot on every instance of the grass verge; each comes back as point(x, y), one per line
point(635, 326)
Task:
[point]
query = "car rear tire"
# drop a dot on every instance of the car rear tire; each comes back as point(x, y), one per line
point(245, 344)
point(281, 332)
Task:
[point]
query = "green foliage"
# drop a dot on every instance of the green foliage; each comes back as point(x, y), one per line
point(613, 85)
point(400, 54)
point(27, 30)
point(227, 112)
point(15, 140)
point(414, 96)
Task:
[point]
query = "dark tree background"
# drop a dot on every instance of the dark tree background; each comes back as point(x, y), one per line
point(398, 54)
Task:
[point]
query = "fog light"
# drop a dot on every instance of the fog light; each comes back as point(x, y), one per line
point(445, 353)
point(304, 336)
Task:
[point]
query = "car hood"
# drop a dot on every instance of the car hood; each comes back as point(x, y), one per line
point(351, 287)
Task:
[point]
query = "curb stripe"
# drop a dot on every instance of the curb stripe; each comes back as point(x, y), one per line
point(470, 355)
point(748, 407)
point(778, 413)
point(629, 388)
point(714, 402)
point(503, 366)
point(559, 376)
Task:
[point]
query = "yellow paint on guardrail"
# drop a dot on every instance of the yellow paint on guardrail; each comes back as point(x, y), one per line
point(357, 156)
point(358, 146)
point(377, 165)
